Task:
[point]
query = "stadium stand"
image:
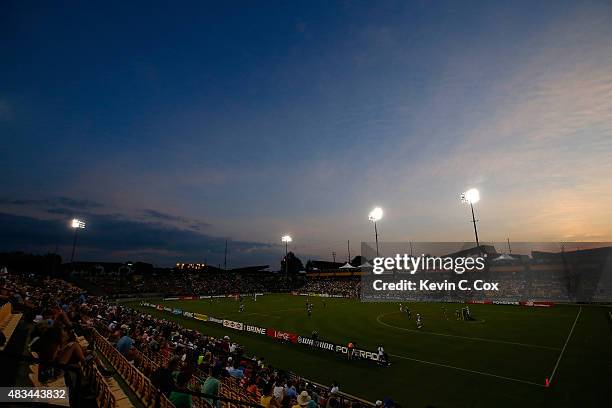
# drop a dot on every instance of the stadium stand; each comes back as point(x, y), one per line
point(8, 323)
point(76, 340)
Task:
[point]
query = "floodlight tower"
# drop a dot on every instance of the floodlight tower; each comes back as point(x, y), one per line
point(471, 197)
point(75, 224)
point(286, 239)
point(375, 215)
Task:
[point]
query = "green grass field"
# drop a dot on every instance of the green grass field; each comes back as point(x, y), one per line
point(500, 360)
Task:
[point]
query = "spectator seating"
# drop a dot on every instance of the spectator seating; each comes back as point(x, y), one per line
point(8, 322)
point(137, 381)
point(57, 383)
point(108, 392)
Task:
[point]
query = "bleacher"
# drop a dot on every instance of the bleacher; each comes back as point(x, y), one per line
point(138, 382)
point(8, 323)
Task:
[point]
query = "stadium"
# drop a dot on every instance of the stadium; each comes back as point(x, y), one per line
point(311, 332)
point(316, 204)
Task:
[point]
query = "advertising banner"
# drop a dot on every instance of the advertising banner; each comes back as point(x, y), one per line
point(233, 325)
point(536, 304)
point(255, 329)
point(292, 337)
point(282, 335)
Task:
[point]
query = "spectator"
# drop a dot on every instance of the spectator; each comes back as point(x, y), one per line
point(279, 391)
point(178, 398)
point(212, 387)
point(267, 399)
point(125, 344)
point(290, 391)
point(162, 377)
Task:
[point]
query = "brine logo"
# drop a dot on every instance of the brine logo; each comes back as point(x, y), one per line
point(412, 264)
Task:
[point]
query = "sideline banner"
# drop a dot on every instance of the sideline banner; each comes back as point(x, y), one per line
point(536, 304)
point(255, 329)
point(282, 335)
point(233, 325)
point(337, 348)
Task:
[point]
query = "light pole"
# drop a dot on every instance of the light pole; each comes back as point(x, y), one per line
point(286, 239)
point(375, 215)
point(471, 197)
point(75, 224)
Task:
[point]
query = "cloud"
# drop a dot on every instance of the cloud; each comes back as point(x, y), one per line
point(165, 217)
point(62, 201)
point(116, 237)
point(79, 203)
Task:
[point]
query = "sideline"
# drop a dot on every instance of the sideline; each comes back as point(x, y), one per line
point(565, 345)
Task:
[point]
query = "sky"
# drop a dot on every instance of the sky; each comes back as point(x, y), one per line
point(171, 128)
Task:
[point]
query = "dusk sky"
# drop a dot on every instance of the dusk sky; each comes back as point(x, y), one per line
point(169, 127)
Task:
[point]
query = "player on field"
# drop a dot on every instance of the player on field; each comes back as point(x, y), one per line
point(408, 313)
point(309, 310)
point(315, 334)
point(457, 314)
point(381, 355)
point(419, 322)
point(241, 308)
point(350, 350)
point(444, 313)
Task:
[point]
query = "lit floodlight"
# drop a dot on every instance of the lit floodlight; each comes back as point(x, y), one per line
point(376, 214)
point(472, 196)
point(77, 224)
point(286, 238)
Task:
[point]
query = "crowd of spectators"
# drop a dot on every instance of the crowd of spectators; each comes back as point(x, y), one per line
point(336, 286)
point(62, 312)
point(185, 283)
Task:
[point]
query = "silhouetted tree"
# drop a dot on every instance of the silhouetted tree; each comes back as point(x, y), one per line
point(295, 265)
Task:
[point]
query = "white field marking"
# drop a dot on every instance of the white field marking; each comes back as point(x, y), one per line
point(565, 345)
point(378, 319)
point(468, 370)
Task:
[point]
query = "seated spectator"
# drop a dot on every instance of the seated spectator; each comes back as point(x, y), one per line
point(304, 400)
point(178, 398)
point(125, 345)
point(279, 391)
point(212, 387)
point(290, 391)
point(267, 399)
point(163, 379)
point(235, 371)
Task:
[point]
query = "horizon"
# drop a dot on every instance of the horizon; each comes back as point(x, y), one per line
point(171, 131)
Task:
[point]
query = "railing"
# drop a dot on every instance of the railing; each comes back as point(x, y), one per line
point(231, 395)
point(136, 380)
